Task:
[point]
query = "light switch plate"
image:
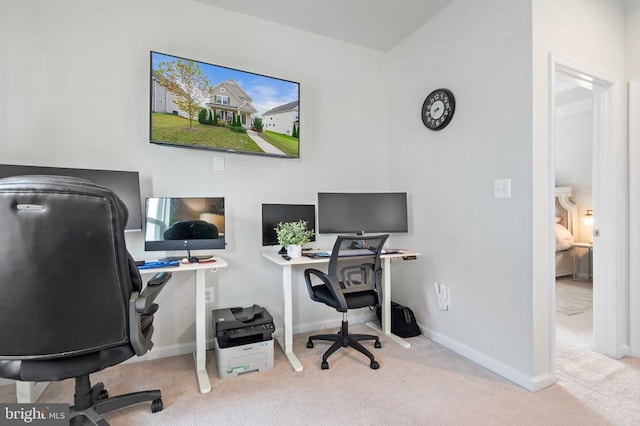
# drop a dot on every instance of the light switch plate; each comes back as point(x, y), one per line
point(218, 163)
point(502, 188)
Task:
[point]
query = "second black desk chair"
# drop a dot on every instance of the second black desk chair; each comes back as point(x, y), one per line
point(351, 286)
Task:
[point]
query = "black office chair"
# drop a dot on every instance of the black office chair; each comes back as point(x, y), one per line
point(70, 301)
point(352, 284)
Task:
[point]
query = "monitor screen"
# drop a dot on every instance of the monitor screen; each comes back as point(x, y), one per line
point(173, 223)
point(126, 185)
point(272, 214)
point(364, 212)
point(195, 104)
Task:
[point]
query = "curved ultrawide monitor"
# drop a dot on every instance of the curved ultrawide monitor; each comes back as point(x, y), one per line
point(362, 212)
point(181, 223)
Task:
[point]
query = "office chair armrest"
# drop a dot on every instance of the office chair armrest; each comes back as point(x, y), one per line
point(151, 291)
point(141, 310)
point(330, 282)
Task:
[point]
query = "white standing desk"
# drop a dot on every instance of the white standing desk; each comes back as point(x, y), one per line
point(200, 354)
point(286, 340)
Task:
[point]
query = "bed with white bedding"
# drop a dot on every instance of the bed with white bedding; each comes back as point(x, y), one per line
point(566, 219)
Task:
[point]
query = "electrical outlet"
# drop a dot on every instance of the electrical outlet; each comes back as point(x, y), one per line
point(208, 295)
point(442, 292)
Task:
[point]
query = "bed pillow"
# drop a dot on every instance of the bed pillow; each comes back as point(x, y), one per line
point(564, 239)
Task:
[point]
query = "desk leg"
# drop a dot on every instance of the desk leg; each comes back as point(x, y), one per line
point(200, 355)
point(386, 307)
point(29, 392)
point(286, 341)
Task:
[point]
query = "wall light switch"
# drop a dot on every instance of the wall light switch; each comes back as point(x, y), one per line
point(502, 188)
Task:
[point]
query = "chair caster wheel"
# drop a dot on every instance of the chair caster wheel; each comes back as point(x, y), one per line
point(377, 345)
point(103, 394)
point(324, 365)
point(156, 405)
point(374, 365)
point(309, 344)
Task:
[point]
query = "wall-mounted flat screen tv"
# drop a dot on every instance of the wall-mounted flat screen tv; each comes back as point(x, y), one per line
point(184, 223)
point(125, 184)
point(199, 105)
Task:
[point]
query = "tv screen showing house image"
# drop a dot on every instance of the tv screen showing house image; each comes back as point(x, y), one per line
point(204, 106)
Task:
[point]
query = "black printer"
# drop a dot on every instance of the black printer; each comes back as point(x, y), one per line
point(241, 326)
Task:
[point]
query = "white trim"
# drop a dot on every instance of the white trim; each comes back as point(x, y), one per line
point(634, 217)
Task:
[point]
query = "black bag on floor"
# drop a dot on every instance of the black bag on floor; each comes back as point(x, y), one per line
point(403, 322)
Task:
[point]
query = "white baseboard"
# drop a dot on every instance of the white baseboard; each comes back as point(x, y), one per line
point(159, 352)
point(529, 383)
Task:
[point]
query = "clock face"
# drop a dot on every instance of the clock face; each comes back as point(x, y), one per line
point(438, 109)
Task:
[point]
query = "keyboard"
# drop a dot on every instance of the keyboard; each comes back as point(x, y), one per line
point(347, 253)
point(159, 264)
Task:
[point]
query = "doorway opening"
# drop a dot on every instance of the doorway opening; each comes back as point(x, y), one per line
point(574, 194)
point(608, 188)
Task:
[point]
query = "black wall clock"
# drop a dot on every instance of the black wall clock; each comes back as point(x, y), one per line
point(438, 109)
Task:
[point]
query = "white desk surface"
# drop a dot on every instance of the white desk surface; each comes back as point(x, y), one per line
point(305, 260)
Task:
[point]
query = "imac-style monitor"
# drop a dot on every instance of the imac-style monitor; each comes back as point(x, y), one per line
point(362, 212)
point(180, 223)
point(272, 214)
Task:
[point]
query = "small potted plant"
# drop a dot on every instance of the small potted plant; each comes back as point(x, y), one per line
point(292, 235)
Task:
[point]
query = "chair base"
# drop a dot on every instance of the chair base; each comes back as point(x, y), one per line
point(342, 339)
point(93, 401)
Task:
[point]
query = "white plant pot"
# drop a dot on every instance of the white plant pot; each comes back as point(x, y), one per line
point(294, 251)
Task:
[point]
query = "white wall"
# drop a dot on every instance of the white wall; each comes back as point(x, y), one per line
point(75, 93)
point(477, 245)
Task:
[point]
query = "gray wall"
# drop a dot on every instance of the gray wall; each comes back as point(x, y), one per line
point(477, 245)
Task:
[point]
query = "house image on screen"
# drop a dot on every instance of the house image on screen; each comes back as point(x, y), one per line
point(162, 100)
point(227, 99)
point(281, 119)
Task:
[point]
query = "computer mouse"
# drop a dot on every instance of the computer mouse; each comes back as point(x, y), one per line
point(193, 259)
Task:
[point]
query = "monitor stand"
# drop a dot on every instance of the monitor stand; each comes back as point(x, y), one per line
point(169, 258)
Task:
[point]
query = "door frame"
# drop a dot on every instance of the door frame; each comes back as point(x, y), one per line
point(634, 217)
point(609, 204)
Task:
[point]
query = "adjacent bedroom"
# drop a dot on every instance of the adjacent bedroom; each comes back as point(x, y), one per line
point(574, 216)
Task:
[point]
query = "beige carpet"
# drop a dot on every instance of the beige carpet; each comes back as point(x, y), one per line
point(573, 297)
point(424, 385)
point(609, 387)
